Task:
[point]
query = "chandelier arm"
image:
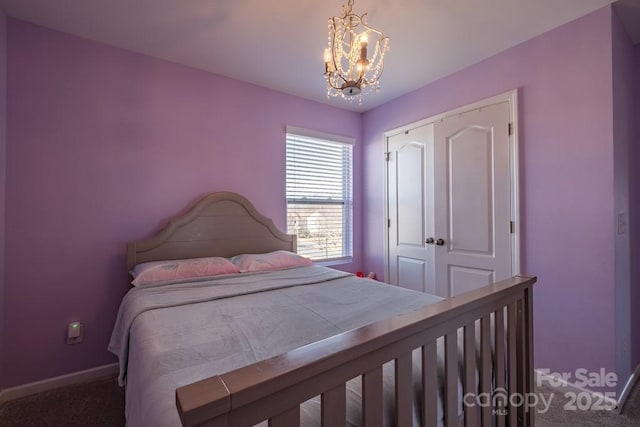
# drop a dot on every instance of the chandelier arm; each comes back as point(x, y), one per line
point(369, 28)
point(335, 76)
point(339, 88)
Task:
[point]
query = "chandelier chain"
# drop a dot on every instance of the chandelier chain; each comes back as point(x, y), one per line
point(350, 7)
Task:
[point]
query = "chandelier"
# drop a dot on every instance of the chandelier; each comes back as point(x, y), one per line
point(349, 72)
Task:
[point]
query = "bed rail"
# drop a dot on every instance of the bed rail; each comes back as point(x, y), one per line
point(273, 389)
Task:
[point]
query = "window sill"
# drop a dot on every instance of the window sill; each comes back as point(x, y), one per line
point(338, 261)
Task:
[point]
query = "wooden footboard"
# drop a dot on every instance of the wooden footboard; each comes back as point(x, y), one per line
point(274, 389)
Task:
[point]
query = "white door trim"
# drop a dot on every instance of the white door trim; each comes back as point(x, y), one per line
point(512, 98)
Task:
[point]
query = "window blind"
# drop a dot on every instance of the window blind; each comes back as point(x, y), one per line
point(320, 196)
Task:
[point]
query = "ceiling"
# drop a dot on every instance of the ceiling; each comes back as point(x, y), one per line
point(279, 43)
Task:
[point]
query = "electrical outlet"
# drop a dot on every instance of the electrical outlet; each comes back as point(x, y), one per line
point(75, 332)
point(622, 224)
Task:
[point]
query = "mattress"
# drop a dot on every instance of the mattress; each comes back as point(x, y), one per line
point(175, 333)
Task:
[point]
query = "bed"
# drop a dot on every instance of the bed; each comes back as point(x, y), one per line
point(311, 345)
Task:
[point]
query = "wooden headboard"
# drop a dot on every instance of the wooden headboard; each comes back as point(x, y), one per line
point(221, 224)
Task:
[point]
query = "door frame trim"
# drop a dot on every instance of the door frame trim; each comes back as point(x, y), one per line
point(514, 161)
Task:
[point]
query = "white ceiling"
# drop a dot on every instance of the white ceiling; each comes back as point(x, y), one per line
point(279, 44)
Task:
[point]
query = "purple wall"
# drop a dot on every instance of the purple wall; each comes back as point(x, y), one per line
point(3, 168)
point(104, 146)
point(635, 200)
point(622, 69)
point(564, 79)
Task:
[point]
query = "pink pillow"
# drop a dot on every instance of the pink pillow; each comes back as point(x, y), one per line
point(161, 271)
point(269, 261)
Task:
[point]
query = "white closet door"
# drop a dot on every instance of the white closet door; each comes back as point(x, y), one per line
point(449, 203)
point(410, 195)
point(472, 200)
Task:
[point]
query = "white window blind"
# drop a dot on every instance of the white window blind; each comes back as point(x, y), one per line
point(320, 197)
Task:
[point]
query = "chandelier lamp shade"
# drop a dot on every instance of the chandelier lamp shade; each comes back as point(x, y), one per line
point(354, 58)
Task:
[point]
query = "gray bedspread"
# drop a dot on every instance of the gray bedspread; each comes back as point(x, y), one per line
point(173, 334)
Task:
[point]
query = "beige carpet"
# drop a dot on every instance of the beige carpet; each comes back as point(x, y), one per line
point(558, 416)
point(101, 404)
point(97, 403)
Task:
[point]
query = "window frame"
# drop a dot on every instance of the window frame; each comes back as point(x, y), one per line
point(347, 200)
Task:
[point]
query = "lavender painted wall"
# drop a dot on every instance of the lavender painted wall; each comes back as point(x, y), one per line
point(3, 168)
point(565, 86)
point(622, 69)
point(635, 200)
point(105, 145)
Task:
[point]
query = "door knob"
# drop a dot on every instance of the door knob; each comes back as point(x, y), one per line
point(440, 242)
point(429, 241)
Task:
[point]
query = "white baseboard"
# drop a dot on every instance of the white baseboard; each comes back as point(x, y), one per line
point(551, 381)
point(631, 382)
point(55, 382)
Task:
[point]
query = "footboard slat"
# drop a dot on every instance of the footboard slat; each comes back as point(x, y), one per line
point(451, 378)
point(527, 316)
point(524, 345)
point(485, 367)
point(512, 415)
point(274, 389)
point(372, 398)
point(500, 386)
point(404, 390)
point(334, 406)
point(290, 418)
point(429, 385)
point(469, 387)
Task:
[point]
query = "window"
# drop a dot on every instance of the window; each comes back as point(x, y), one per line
point(320, 196)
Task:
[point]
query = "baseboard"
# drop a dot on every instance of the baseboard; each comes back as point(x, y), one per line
point(56, 382)
point(631, 382)
point(565, 386)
